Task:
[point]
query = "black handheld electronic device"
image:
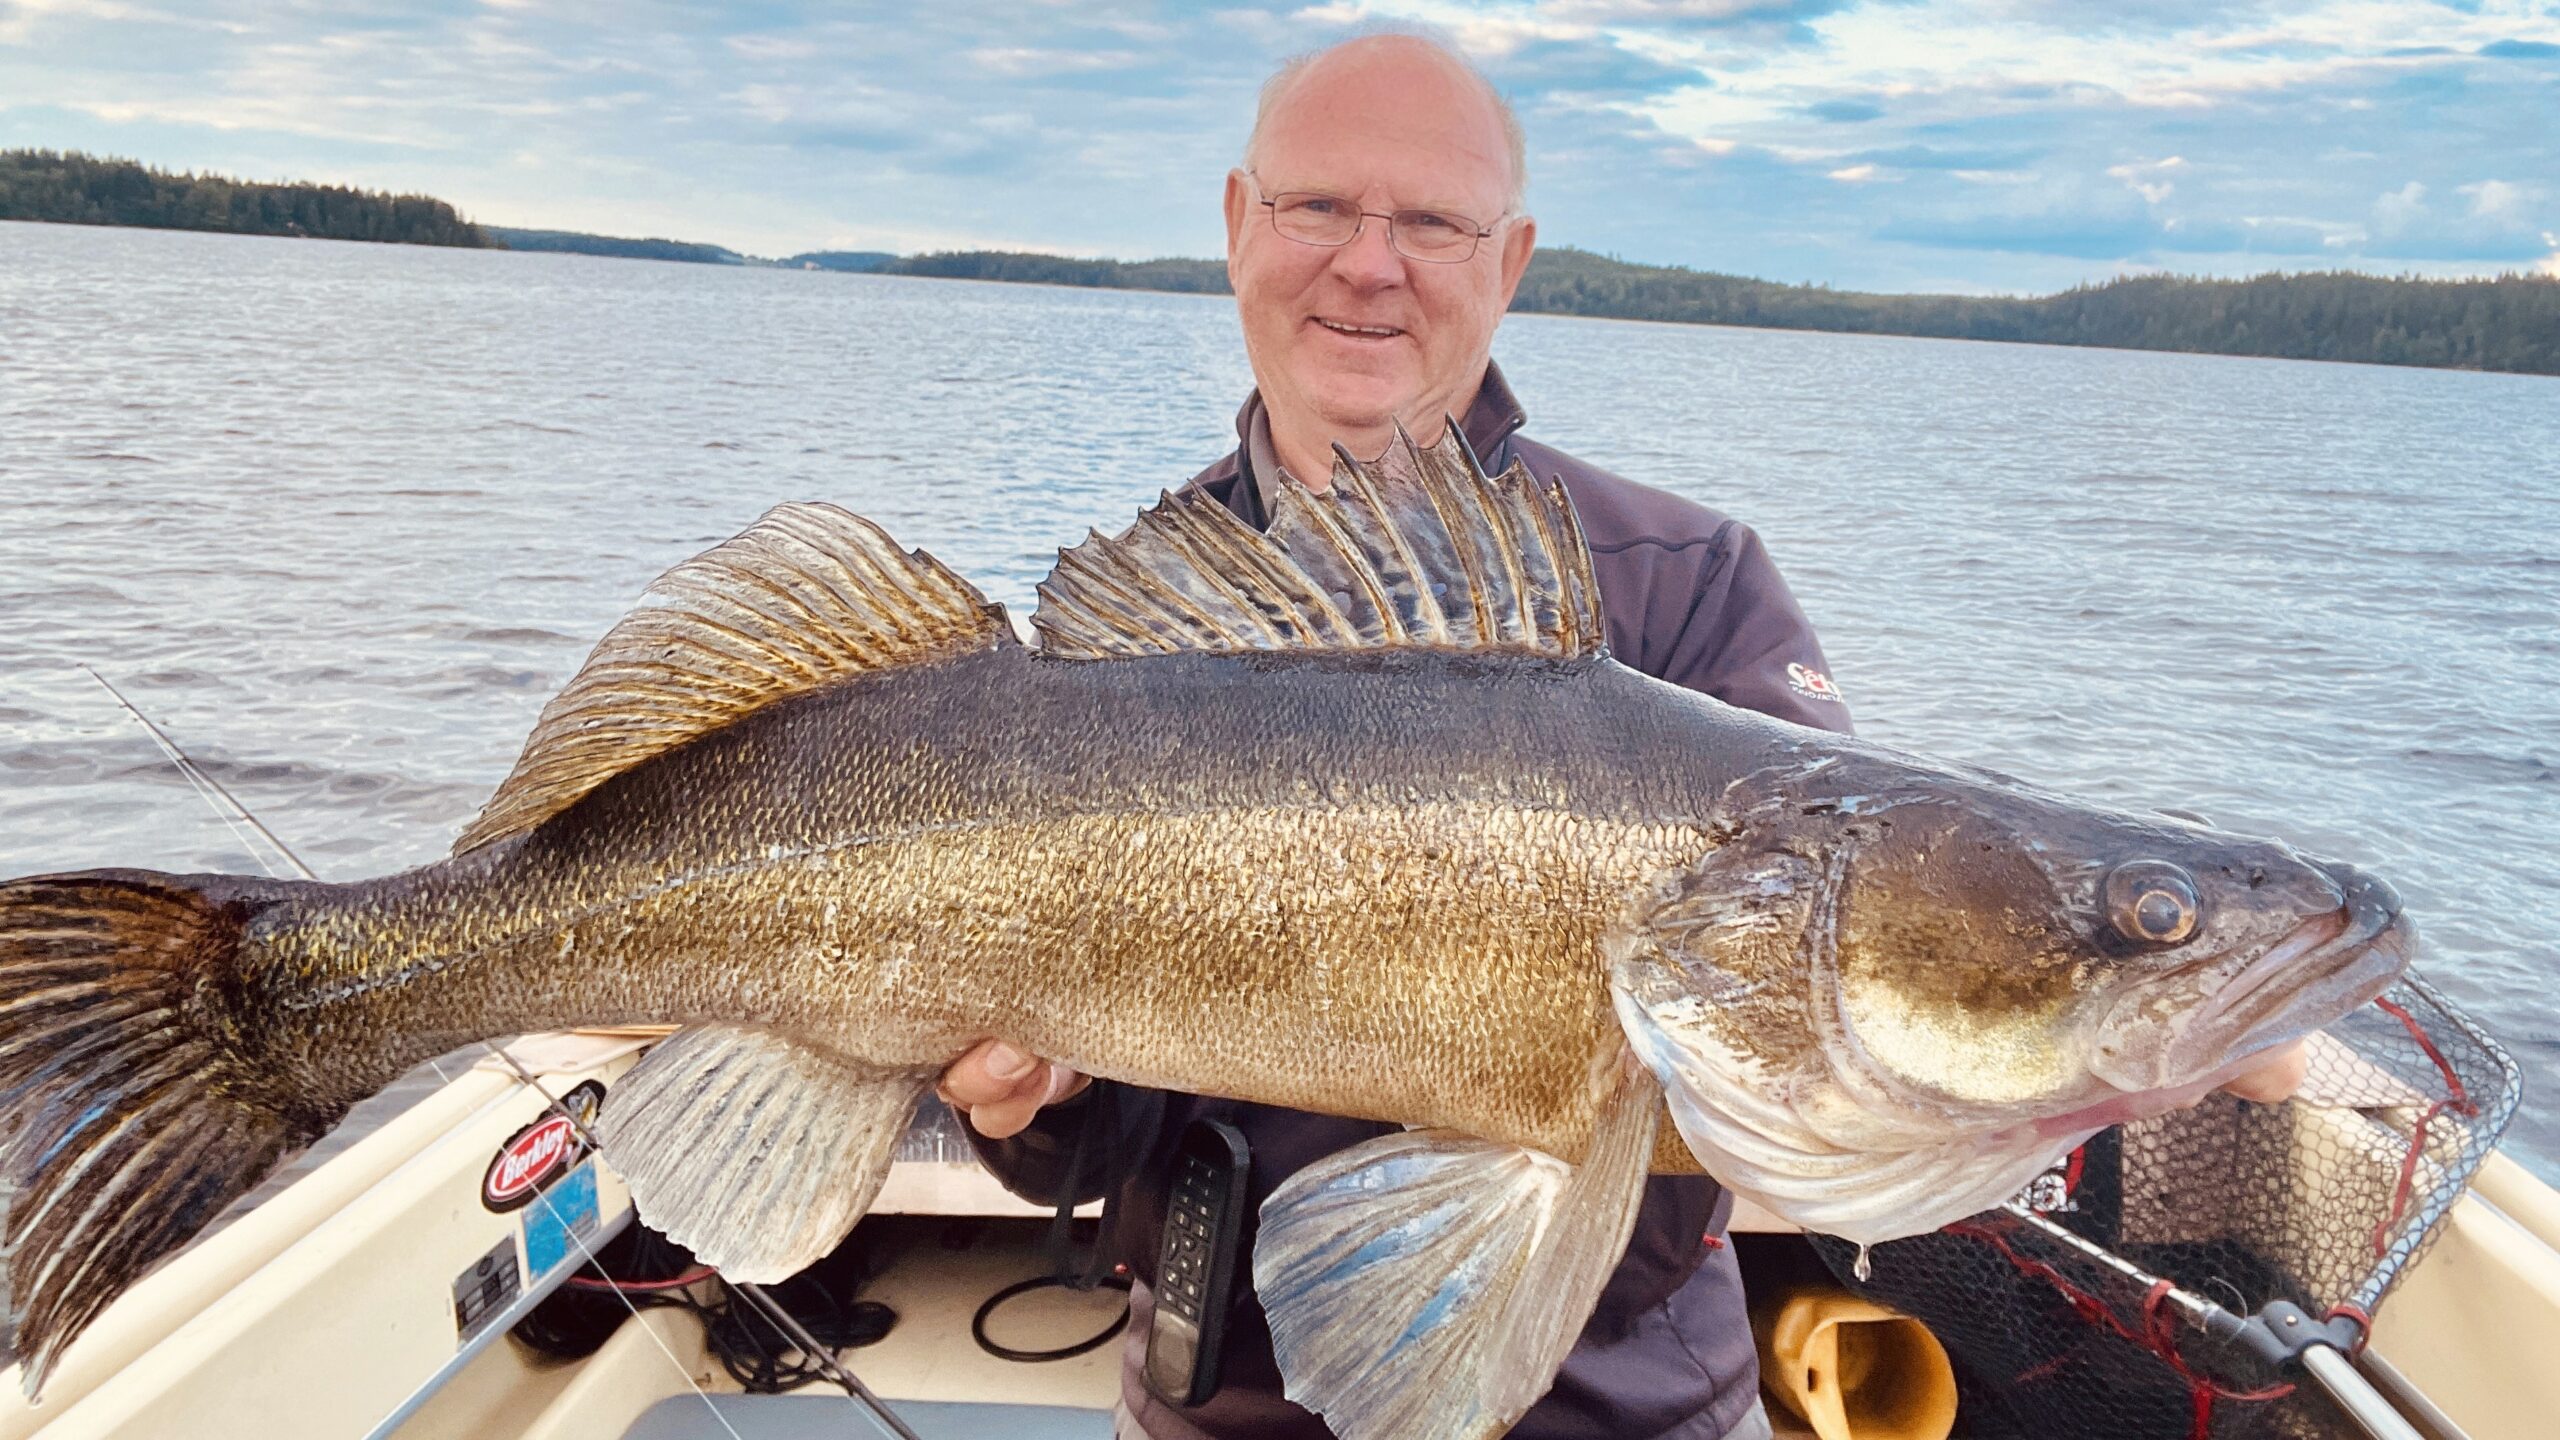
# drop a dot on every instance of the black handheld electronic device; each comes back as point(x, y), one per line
point(1195, 1273)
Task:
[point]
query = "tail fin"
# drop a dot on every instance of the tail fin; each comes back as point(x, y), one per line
point(132, 1118)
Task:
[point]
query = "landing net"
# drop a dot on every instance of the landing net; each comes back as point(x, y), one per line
point(2324, 1201)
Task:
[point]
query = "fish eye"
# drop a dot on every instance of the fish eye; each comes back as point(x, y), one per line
point(2151, 902)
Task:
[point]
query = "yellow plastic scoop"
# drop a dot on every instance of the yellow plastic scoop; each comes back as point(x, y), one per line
point(1854, 1370)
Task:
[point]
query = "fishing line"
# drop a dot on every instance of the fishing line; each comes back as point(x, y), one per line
point(782, 1319)
point(543, 1197)
point(188, 768)
point(207, 786)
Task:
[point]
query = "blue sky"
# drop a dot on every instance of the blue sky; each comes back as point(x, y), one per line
point(1982, 145)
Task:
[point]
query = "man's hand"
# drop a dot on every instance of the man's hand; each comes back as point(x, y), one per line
point(1000, 1087)
point(2274, 1076)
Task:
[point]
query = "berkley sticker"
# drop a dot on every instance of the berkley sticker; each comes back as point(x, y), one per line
point(540, 1152)
point(1812, 684)
point(530, 1159)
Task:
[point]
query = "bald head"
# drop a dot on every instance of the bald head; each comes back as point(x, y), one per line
point(1411, 73)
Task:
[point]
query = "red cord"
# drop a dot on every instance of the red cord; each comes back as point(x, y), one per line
point(2457, 1099)
point(2158, 1334)
point(694, 1276)
point(2363, 1319)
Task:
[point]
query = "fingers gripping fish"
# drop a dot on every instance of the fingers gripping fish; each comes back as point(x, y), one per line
point(1356, 816)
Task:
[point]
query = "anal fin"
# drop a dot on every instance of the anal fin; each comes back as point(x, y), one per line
point(1428, 1285)
point(755, 1151)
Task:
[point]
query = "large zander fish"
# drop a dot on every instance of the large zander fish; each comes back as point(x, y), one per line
point(1355, 816)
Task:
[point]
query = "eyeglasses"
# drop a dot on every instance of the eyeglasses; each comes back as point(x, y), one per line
point(1436, 237)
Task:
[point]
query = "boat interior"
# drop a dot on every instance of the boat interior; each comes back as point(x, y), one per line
point(372, 1292)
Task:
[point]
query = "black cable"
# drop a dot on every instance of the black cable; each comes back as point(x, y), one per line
point(574, 1323)
point(756, 1352)
point(978, 1322)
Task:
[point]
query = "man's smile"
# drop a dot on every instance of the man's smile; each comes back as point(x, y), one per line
point(1358, 332)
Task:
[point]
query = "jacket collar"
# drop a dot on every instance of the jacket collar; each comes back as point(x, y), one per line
point(1488, 424)
point(1488, 429)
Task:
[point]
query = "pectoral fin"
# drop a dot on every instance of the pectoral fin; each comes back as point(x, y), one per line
point(1428, 1285)
point(755, 1151)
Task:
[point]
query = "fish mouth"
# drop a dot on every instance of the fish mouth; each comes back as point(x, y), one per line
point(2323, 969)
point(2327, 967)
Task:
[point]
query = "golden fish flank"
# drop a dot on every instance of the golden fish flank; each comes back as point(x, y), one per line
point(1356, 816)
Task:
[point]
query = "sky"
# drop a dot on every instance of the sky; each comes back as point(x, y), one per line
point(1949, 145)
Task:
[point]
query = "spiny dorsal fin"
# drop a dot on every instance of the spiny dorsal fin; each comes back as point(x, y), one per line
point(807, 596)
point(1419, 549)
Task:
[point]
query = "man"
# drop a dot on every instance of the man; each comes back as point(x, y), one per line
point(1374, 238)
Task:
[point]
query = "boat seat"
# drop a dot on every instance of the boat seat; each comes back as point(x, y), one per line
point(830, 1416)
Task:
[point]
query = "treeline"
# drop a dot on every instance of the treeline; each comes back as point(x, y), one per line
point(573, 242)
point(2508, 323)
point(70, 188)
point(1196, 277)
point(851, 262)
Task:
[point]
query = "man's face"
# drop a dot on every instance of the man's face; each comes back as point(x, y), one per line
point(1348, 338)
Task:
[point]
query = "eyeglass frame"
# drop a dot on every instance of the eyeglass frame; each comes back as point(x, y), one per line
point(1481, 234)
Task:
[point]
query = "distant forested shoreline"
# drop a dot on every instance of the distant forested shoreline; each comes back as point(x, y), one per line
point(67, 187)
point(2510, 323)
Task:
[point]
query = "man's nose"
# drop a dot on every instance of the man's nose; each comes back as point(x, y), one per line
point(1370, 261)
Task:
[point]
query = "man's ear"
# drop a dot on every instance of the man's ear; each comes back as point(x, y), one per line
point(1518, 244)
point(1237, 202)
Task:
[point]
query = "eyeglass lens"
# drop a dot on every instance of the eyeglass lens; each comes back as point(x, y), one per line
point(1317, 219)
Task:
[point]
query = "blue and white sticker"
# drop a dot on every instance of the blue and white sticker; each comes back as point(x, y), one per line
point(558, 1219)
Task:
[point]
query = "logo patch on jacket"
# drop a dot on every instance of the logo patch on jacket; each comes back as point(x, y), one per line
point(1812, 684)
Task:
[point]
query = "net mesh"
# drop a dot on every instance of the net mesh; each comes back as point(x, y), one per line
point(2323, 1201)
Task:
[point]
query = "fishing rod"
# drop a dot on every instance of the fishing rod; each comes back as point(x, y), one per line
point(773, 1310)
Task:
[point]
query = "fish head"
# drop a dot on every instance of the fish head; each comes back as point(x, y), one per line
point(1992, 952)
point(1895, 990)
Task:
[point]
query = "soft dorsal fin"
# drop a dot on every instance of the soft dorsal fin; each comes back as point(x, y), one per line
point(1419, 549)
point(805, 597)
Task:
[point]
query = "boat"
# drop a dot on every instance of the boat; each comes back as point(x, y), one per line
point(382, 1291)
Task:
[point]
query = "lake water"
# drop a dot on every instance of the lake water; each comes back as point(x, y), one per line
point(342, 517)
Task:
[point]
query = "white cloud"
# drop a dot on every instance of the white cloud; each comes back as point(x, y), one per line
point(771, 47)
point(2152, 190)
point(2549, 264)
point(2397, 210)
point(1854, 173)
point(1021, 60)
point(2492, 199)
